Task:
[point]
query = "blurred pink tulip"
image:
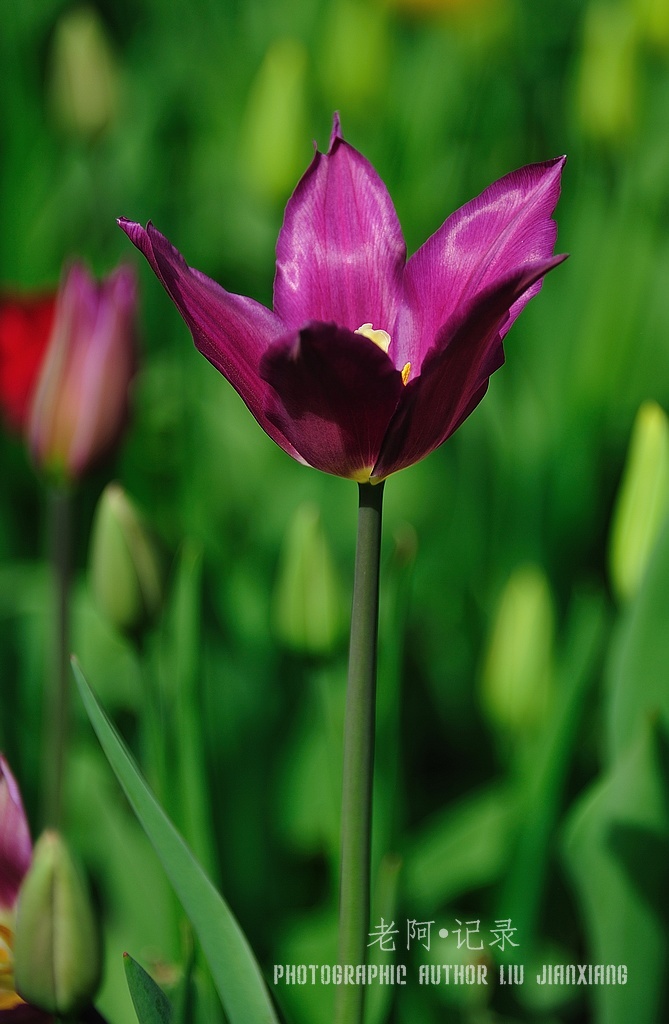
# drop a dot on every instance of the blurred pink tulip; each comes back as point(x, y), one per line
point(81, 401)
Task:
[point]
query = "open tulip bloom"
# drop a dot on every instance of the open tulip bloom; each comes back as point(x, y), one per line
point(366, 364)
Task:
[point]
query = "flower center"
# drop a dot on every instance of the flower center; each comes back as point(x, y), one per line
point(382, 339)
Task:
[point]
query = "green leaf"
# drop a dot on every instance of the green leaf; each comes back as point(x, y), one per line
point(151, 1004)
point(182, 643)
point(621, 877)
point(462, 848)
point(636, 672)
point(522, 891)
point(233, 967)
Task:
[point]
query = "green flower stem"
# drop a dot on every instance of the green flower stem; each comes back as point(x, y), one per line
point(57, 698)
point(359, 727)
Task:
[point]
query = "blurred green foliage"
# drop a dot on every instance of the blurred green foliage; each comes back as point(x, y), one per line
point(551, 810)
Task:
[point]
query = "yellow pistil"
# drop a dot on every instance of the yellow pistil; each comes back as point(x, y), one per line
point(380, 338)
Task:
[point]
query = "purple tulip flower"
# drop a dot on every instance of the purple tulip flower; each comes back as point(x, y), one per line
point(368, 362)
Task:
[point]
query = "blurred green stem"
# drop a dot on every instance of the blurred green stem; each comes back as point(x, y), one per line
point(57, 697)
point(359, 726)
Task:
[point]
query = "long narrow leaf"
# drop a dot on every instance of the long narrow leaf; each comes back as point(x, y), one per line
point(151, 1004)
point(233, 967)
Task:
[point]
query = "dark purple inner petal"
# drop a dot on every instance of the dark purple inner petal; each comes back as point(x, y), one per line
point(455, 373)
point(332, 395)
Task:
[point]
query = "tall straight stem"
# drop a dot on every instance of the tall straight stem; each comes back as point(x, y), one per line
point(58, 675)
point(359, 728)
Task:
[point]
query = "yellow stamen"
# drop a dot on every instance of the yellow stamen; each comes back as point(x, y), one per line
point(380, 338)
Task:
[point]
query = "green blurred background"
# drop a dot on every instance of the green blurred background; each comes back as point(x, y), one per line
point(521, 762)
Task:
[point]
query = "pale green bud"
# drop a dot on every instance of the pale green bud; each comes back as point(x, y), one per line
point(125, 571)
point(307, 598)
point(84, 74)
point(607, 85)
point(643, 500)
point(356, 56)
point(57, 959)
point(653, 21)
point(273, 130)
point(518, 671)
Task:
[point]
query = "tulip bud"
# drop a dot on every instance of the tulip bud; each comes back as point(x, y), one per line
point(653, 20)
point(607, 88)
point(84, 75)
point(273, 130)
point(356, 57)
point(517, 676)
point(57, 959)
point(81, 401)
point(643, 500)
point(125, 569)
point(307, 600)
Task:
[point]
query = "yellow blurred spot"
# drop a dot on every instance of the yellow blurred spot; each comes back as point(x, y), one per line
point(8, 1000)
point(8, 997)
point(406, 370)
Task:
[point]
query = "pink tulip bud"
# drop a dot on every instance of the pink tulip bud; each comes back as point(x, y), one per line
point(81, 401)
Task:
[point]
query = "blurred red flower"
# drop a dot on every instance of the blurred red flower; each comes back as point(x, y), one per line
point(25, 328)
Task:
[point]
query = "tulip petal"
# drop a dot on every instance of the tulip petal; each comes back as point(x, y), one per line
point(455, 373)
point(15, 845)
point(334, 393)
point(507, 227)
point(231, 331)
point(80, 404)
point(340, 252)
point(107, 360)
